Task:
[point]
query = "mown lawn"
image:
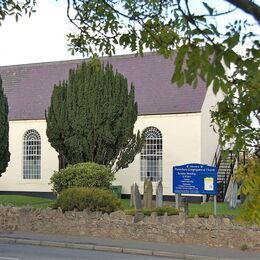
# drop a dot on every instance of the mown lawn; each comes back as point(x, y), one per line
point(196, 209)
point(21, 200)
point(223, 209)
point(126, 203)
point(207, 208)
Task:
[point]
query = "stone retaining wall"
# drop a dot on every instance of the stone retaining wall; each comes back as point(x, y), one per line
point(217, 232)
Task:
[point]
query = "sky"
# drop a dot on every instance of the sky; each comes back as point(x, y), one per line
point(39, 38)
point(42, 37)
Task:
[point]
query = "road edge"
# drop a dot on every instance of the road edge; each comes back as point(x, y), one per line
point(111, 249)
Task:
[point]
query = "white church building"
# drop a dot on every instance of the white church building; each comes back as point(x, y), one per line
point(176, 122)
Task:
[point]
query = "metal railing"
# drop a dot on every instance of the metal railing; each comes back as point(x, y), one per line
point(217, 157)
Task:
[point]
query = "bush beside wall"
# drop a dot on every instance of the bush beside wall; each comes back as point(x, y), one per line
point(93, 199)
point(90, 175)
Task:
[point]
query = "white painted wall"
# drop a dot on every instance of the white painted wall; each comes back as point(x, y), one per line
point(181, 145)
point(209, 138)
point(12, 179)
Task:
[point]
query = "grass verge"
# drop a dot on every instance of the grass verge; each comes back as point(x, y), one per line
point(194, 209)
point(223, 209)
point(206, 209)
point(21, 200)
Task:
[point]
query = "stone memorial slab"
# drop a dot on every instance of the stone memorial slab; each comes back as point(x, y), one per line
point(159, 194)
point(148, 194)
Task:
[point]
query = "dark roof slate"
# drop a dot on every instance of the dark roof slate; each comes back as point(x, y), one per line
point(29, 87)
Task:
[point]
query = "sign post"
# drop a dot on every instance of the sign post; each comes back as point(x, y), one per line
point(215, 205)
point(177, 201)
point(195, 179)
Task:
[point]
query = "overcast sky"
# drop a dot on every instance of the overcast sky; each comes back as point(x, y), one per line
point(39, 38)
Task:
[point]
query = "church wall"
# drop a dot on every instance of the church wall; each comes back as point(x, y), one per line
point(181, 139)
point(12, 179)
point(181, 145)
point(209, 138)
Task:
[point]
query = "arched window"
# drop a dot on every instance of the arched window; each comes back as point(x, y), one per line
point(151, 155)
point(32, 155)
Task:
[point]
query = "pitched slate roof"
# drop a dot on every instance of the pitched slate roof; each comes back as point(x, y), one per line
point(29, 87)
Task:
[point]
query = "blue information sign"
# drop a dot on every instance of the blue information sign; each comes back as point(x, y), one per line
point(195, 179)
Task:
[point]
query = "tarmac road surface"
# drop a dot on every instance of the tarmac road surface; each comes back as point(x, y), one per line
point(28, 252)
point(65, 246)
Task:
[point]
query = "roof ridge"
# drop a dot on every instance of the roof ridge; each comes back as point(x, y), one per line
point(29, 87)
point(132, 55)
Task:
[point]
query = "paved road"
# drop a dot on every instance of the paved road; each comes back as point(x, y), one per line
point(89, 247)
point(28, 252)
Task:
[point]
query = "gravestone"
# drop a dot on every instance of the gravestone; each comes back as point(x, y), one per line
point(159, 194)
point(132, 196)
point(234, 192)
point(148, 194)
point(135, 200)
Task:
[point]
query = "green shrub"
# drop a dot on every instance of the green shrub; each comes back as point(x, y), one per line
point(90, 175)
point(147, 212)
point(160, 211)
point(94, 199)
point(249, 176)
point(204, 214)
point(131, 212)
point(244, 247)
point(170, 211)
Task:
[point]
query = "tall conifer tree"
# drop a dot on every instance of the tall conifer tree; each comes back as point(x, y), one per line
point(4, 131)
point(92, 115)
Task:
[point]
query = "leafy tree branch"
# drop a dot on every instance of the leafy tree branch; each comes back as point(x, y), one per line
point(17, 9)
point(175, 28)
point(247, 6)
point(200, 50)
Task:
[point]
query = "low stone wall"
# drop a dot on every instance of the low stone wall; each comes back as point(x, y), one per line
point(217, 232)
